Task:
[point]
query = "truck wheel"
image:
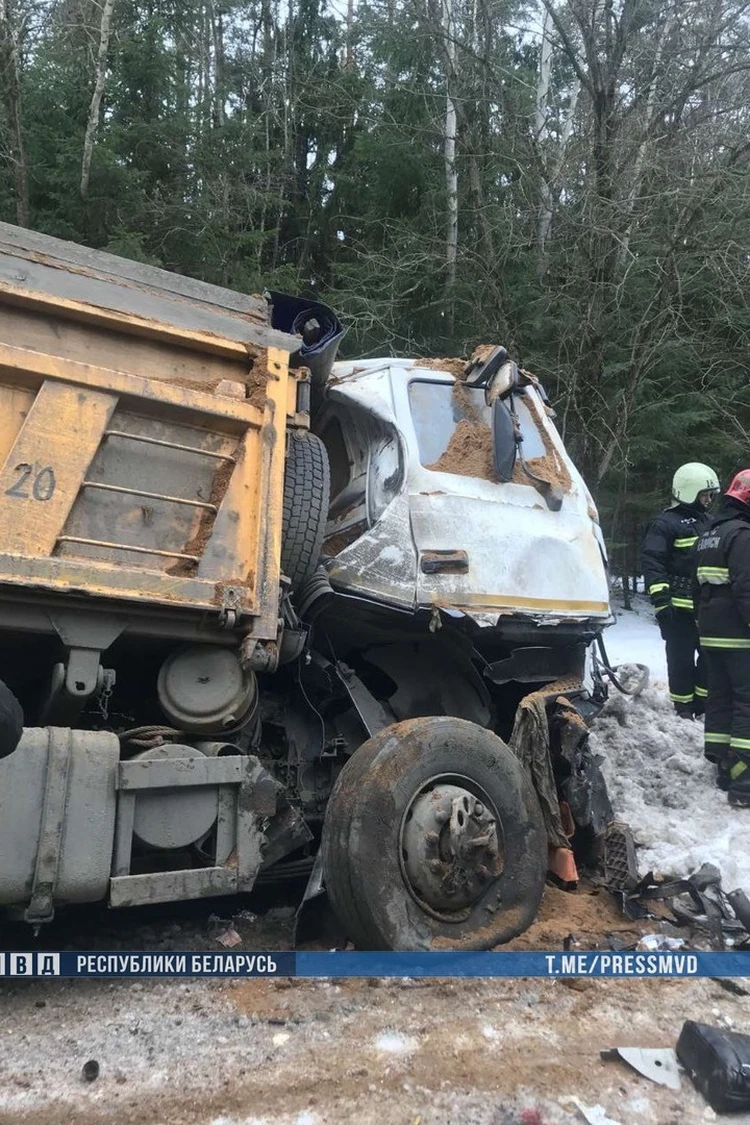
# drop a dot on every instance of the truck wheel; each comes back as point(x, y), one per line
point(434, 839)
point(306, 495)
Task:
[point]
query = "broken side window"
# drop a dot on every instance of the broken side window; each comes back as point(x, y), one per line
point(453, 428)
point(533, 443)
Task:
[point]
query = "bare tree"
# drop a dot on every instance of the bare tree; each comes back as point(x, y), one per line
point(217, 38)
point(92, 124)
point(349, 41)
point(449, 153)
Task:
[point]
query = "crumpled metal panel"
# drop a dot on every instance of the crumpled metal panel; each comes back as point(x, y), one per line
point(524, 560)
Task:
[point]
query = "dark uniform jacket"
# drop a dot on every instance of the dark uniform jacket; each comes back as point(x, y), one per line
point(722, 579)
point(667, 554)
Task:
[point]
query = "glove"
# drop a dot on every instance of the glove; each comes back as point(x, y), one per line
point(665, 619)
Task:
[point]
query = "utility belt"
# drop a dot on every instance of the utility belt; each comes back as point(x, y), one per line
point(681, 592)
point(681, 587)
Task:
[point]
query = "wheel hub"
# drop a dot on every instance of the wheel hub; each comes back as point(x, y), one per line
point(450, 847)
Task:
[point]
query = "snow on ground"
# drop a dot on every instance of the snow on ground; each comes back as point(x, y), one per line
point(635, 639)
point(658, 780)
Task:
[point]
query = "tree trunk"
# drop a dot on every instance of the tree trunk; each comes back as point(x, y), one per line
point(96, 100)
point(449, 154)
point(217, 34)
point(349, 55)
point(542, 86)
point(626, 602)
point(12, 76)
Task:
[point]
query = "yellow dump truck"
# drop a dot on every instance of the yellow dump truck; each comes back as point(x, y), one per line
point(245, 628)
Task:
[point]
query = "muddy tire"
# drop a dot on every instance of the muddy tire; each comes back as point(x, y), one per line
point(306, 495)
point(434, 839)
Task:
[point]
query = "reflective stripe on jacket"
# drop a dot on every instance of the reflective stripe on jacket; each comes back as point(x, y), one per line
point(667, 555)
point(722, 579)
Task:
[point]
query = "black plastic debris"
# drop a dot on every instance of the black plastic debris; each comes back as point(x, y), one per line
point(718, 1063)
point(620, 864)
point(90, 1071)
point(740, 904)
point(698, 902)
point(318, 327)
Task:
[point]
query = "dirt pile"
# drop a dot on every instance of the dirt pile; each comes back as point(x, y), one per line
point(469, 452)
point(550, 468)
point(455, 367)
point(587, 918)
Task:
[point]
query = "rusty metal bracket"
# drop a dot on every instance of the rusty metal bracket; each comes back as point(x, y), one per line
point(230, 606)
point(373, 714)
point(259, 656)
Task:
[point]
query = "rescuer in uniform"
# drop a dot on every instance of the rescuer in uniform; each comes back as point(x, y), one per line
point(667, 561)
point(722, 592)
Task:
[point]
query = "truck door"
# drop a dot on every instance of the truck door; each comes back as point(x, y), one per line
point(487, 546)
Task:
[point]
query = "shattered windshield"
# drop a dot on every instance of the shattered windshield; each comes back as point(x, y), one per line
point(453, 428)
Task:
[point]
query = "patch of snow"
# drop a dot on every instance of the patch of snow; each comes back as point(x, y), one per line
point(662, 786)
point(240, 1121)
point(658, 780)
point(393, 1043)
point(639, 1106)
point(594, 1114)
point(635, 639)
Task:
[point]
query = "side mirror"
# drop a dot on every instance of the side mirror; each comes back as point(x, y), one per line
point(503, 382)
point(484, 365)
point(503, 441)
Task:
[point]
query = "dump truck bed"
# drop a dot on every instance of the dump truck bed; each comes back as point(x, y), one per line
point(35, 266)
point(142, 426)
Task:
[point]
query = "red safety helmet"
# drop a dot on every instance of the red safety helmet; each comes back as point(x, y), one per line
point(740, 487)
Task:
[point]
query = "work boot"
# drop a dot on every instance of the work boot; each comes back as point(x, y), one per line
point(684, 710)
point(723, 774)
point(738, 793)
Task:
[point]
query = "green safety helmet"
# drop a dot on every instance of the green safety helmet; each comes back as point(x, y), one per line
point(692, 479)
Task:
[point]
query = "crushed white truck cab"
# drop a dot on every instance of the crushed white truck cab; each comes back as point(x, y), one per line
point(419, 518)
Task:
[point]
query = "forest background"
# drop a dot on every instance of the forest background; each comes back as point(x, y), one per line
point(570, 178)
